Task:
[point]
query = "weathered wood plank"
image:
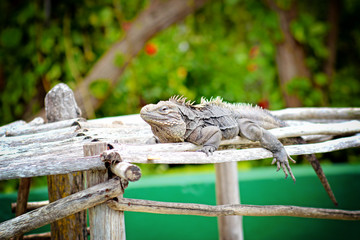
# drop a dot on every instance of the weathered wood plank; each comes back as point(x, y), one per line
point(136, 205)
point(61, 208)
point(60, 105)
point(317, 113)
point(234, 155)
point(22, 199)
point(43, 128)
point(131, 135)
point(105, 223)
point(227, 192)
point(59, 164)
point(30, 205)
point(50, 136)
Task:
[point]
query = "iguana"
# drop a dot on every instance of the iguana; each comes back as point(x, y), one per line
point(207, 123)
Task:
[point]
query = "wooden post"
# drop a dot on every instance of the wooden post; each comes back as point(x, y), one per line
point(60, 104)
point(22, 198)
point(61, 208)
point(105, 223)
point(227, 192)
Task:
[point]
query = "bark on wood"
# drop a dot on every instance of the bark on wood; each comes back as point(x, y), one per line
point(60, 105)
point(43, 128)
point(127, 171)
point(39, 236)
point(64, 162)
point(105, 223)
point(136, 205)
point(227, 192)
point(46, 156)
point(22, 198)
point(61, 208)
point(157, 17)
point(231, 155)
point(30, 205)
point(11, 126)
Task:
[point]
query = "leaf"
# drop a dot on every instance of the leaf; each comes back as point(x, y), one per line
point(55, 72)
point(321, 79)
point(11, 37)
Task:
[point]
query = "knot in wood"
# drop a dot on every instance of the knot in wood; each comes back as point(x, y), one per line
point(110, 156)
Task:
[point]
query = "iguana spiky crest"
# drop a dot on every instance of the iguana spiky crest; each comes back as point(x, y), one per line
point(205, 124)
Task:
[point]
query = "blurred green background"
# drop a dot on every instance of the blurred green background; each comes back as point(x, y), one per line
point(228, 48)
point(274, 53)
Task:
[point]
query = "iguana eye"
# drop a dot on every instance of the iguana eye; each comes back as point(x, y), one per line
point(164, 108)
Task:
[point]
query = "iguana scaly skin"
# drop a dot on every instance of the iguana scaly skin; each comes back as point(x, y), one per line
point(207, 123)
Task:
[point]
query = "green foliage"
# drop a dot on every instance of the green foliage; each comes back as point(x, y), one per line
point(227, 48)
point(39, 49)
point(210, 54)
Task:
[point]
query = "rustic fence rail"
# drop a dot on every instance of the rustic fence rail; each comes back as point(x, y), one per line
point(56, 148)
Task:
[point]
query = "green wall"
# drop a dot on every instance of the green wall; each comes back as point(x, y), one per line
point(261, 186)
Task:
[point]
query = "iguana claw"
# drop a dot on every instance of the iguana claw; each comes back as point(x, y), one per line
point(208, 150)
point(281, 160)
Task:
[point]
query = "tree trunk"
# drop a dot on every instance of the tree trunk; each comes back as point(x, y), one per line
point(329, 66)
point(290, 55)
point(157, 17)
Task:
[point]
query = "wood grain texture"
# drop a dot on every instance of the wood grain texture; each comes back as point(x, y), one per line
point(137, 205)
point(227, 192)
point(61, 208)
point(48, 159)
point(60, 105)
point(105, 223)
point(22, 198)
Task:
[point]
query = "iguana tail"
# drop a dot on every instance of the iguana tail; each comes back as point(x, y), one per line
point(321, 175)
point(318, 170)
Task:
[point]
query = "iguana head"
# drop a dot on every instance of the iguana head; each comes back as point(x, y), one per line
point(165, 120)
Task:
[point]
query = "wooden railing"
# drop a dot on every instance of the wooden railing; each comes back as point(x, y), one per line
point(63, 147)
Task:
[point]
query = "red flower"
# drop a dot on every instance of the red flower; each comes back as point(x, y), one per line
point(150, 49)
point(264, 103)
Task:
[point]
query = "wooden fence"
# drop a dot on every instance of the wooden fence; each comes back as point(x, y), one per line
point(107, 149)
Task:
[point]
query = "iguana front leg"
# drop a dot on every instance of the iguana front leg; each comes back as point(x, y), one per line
point(254, 132)
point(209, 137)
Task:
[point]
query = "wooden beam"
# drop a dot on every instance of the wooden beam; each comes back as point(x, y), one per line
point(61, 208)
point(30, 205)
point(105, 223)
point(60, 105)
point(227, 192)
point(11, 168)
point(22, 198)
point(137, 205)
point(317, 113)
